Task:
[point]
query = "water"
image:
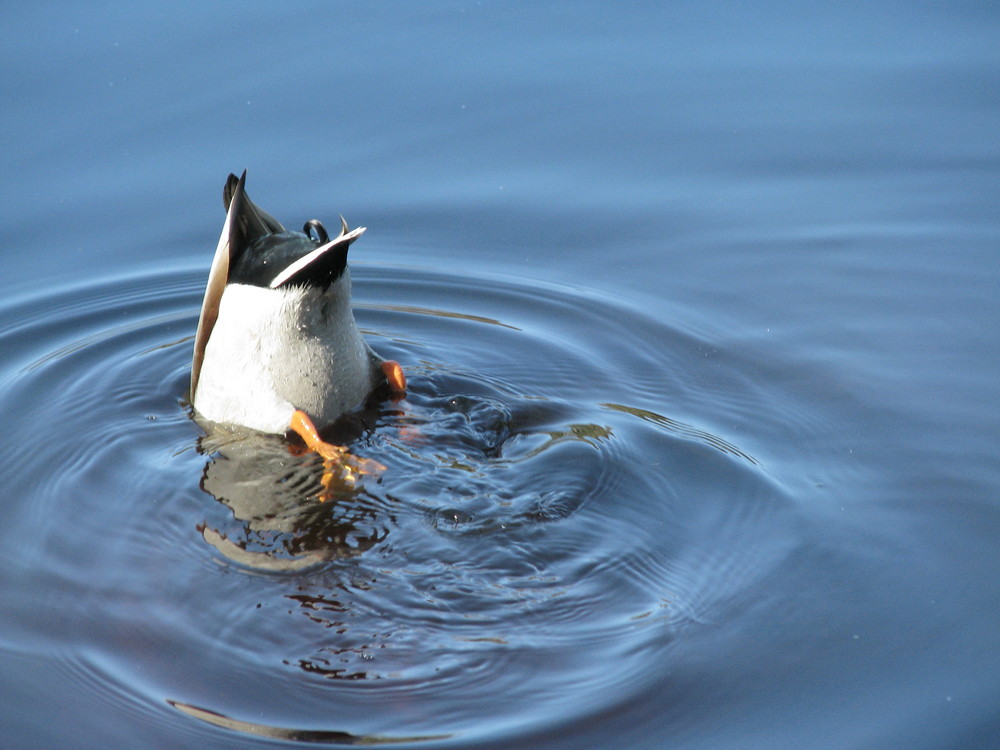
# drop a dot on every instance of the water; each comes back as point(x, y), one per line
point(697, 306)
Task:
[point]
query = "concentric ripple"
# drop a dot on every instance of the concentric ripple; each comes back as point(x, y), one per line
point(554, 516)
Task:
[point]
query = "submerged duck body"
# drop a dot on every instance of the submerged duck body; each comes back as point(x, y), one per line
point(277, 344)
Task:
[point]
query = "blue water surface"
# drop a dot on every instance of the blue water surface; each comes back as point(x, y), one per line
point(699, 307)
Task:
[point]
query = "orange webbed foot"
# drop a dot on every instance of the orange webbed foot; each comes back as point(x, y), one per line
point(337, 460)
point(394, 377)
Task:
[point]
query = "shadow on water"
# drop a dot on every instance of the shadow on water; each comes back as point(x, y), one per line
point(529, 530)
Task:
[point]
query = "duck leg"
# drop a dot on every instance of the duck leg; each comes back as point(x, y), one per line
point(335, 457)
point(394, 377)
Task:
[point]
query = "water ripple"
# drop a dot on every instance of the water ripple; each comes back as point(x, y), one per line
point(541, 516)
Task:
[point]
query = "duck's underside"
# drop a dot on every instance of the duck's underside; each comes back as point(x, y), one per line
point(277, 348)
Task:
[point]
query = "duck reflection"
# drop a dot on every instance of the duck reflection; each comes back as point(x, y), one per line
point(290, 509)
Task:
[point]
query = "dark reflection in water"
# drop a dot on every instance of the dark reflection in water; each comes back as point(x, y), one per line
point(280, 519)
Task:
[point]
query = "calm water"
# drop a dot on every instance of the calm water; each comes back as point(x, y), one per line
point(699, 311)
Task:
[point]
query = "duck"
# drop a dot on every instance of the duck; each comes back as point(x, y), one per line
point(277, 349)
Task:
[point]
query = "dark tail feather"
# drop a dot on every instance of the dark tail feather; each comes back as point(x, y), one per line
point(253, 221)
